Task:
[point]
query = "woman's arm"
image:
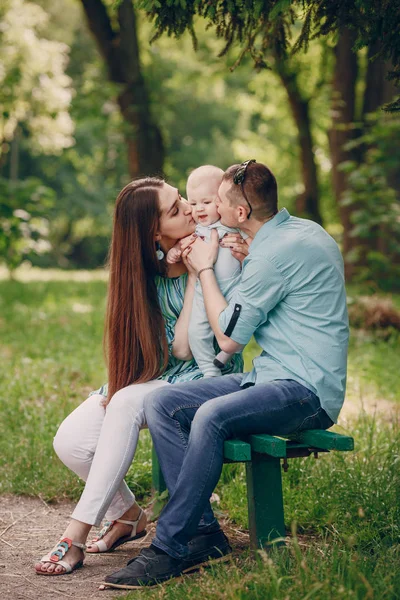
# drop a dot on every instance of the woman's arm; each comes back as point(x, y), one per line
point(180, 345)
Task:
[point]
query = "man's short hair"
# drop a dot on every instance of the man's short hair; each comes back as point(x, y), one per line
point(260, 188)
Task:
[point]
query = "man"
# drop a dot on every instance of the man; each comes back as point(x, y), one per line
point(291, 297)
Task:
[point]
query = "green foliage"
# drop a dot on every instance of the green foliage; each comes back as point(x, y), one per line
point(375, 204)
point(24, 227)
point(207, 115)
point(259, 25)
point(86, 176)
point(34, 89)
point(212, 116)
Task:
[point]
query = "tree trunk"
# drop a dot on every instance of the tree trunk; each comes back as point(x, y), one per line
point(343, 117)
point(307, 204)
point(379, 91)
point(145, 145)
point(120, 51)
point(14, 157)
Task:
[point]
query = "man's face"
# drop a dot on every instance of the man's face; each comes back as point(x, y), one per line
point(229, 214)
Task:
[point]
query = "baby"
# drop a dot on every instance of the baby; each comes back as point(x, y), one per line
point(202, 188)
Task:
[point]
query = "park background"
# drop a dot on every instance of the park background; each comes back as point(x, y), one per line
point(87, 103)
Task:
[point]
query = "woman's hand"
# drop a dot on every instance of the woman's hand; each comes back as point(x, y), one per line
point(191, 270)
point(200, 255)
point(186, 243)
point(238, 246)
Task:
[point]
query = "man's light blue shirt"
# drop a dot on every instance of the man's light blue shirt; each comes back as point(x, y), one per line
point(292, 298)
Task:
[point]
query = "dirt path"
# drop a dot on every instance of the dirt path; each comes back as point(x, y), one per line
point(382, 409)
point(32, 529)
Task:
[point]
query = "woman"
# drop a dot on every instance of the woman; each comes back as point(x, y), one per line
point(149, 304)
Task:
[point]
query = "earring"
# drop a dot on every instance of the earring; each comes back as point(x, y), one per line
point(159, 252)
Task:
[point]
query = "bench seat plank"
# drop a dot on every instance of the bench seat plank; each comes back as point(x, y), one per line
point(268, 444)
point(326, 440)
point(237, 451)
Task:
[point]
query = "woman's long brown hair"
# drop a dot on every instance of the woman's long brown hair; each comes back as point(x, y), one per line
point(134, 339)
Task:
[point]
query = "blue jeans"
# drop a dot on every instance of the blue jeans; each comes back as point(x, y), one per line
point(189, 423)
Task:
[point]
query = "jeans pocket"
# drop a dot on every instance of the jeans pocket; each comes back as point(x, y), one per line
point(318, 420)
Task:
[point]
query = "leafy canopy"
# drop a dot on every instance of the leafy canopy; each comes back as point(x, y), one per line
point(259, 25)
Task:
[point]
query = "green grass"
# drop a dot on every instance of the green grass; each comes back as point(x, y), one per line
point(323, 571)
point(345, 506)
point(374, 366)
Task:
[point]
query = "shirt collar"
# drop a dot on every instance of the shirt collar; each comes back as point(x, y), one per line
point(269, 227)
point(215, 224)
point(211, 226)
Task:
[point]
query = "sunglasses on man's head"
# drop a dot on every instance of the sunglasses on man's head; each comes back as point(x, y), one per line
point(238, 179)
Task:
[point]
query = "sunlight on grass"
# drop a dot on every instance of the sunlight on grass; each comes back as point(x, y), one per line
point(27, 273)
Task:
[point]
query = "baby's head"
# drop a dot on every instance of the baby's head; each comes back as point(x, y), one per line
point(202, 190)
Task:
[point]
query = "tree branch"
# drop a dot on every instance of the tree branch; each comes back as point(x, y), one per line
point(128, 47)
point(307, 203)
point(107, 40)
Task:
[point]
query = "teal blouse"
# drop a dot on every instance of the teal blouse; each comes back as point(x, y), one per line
point(171, 292)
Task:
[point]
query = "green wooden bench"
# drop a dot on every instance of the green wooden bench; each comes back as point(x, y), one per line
point(263, 454)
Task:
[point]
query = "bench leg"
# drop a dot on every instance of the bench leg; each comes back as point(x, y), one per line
point(265, 499)
point(157, 477)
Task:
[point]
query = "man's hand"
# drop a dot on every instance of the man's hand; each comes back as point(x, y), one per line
point(200, 255)
point(237, 245)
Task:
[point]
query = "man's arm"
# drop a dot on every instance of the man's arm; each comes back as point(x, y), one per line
point(260, 289)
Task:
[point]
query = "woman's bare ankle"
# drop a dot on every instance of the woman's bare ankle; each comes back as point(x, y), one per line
point(132, 514)
point(77, 531)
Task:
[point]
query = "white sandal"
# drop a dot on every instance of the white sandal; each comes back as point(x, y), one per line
point(58, 553)
point(102, 546)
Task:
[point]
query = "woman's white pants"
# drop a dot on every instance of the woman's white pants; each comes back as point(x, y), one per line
point(99, 444)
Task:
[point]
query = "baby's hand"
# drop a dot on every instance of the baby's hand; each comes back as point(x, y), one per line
point(174, 255)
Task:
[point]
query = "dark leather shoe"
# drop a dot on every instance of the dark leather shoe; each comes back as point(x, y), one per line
point(205, 549)
point(147, 569)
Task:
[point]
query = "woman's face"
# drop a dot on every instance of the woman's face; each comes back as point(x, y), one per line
point(176, 216)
